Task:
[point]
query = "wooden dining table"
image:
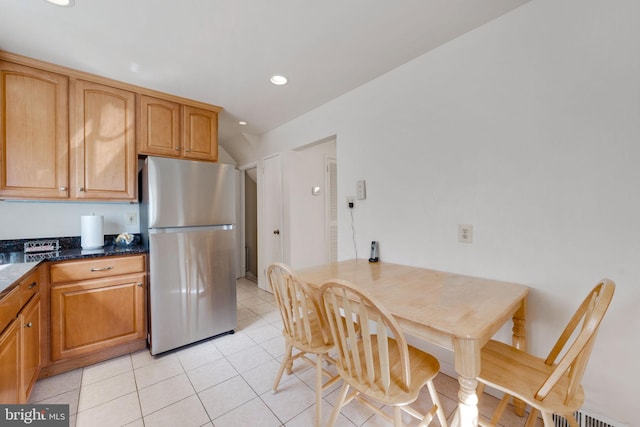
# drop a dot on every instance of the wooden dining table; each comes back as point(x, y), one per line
point(455, 311)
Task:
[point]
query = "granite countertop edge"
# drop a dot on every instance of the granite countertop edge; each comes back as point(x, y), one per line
point(15, 266)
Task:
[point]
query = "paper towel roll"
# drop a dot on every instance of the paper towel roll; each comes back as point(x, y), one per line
point(91, 236)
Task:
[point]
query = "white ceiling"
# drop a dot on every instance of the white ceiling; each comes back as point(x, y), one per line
point(223, 51)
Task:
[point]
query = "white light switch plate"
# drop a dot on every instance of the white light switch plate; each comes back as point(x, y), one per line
point(361, 190)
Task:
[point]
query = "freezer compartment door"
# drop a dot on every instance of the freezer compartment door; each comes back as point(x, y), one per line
point(183, 193)
point(192, 293)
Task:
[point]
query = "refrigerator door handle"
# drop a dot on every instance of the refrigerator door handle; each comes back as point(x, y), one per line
point(167, 230)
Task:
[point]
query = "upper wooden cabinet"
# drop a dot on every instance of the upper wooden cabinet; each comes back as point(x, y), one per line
point(171, 129)
point(200, 133)
point(39, 159)
point(158, 127)
point(70, 135)
point(104, 160)
point(34, 127)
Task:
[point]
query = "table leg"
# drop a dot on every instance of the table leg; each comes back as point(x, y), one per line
point(519, 341)
point(467, 364)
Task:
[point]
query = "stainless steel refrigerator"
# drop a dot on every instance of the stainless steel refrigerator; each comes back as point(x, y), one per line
point(187, 216)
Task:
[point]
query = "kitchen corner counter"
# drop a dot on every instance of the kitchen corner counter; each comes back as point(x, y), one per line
point(12, 273)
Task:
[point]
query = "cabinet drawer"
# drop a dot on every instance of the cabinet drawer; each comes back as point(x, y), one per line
point(94, 268)
point(29, 286)
point(9, 307)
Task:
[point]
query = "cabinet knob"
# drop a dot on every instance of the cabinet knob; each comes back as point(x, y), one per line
point(33, 285)
point(139, 284)
point(109, 267)
point(80, 188)
point(63, 188)
point(177, 148)
point(28, 325)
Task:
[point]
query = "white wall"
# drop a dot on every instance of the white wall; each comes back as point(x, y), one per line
point(26, 220)
point(528, 128)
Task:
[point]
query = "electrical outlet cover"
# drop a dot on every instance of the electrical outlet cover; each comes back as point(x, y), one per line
point(465, 233)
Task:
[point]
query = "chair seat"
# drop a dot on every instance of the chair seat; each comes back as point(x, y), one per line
point(319, 343)
point(521, 374)
point(423, 368)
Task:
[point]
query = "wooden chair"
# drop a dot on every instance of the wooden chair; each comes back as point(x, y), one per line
point(549, 386)
point(304, 328)
point(375, 360)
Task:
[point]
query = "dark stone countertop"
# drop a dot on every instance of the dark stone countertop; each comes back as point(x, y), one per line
point(15, 264)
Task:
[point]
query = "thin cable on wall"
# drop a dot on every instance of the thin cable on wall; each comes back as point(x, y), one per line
point(353, 232)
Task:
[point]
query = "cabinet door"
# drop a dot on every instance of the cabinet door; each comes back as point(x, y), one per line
point(199, 134)
point(94, 315)
point(104, 157)
point(31, 358)
point(159, 127)
point(9, 364)
point(34, 136)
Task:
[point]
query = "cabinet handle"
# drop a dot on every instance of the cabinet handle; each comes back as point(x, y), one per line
point(63, 188)
point(80, 188)
point(102, 269)
point(28, 325)
point(177, 148)
point(139, 284)
point(33, 285)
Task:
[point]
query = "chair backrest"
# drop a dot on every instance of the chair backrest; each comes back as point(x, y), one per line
point(583, 327)
point(301, 315)
point(361, 327)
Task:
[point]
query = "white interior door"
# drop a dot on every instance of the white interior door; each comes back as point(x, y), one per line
point(272, 247)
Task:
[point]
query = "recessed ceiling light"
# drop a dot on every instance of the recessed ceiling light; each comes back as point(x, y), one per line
point(64, 3)
point(279, 80)
point(242, 123)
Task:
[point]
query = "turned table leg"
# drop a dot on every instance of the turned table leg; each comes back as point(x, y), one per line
point(467, 364)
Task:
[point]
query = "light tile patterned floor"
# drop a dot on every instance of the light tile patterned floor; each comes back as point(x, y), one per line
point(220, 382)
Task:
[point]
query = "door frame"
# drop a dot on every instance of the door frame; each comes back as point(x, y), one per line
point(241, 215)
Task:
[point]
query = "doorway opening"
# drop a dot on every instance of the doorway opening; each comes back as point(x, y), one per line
point(251, 224)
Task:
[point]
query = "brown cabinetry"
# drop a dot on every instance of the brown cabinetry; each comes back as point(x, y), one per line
point(69, 135)
point(34, 136)
point(159, 127)
point(9, 363)
point(171, 129)
point(104, 160)
point(200, 133)
point(39, 159)
point(20, 341)
point(31, 354)
point(96, 305)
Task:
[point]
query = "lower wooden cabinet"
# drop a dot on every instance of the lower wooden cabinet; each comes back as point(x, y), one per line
point(89, 316)
point(31, 352)
point(9, 363)
point(20, 350)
